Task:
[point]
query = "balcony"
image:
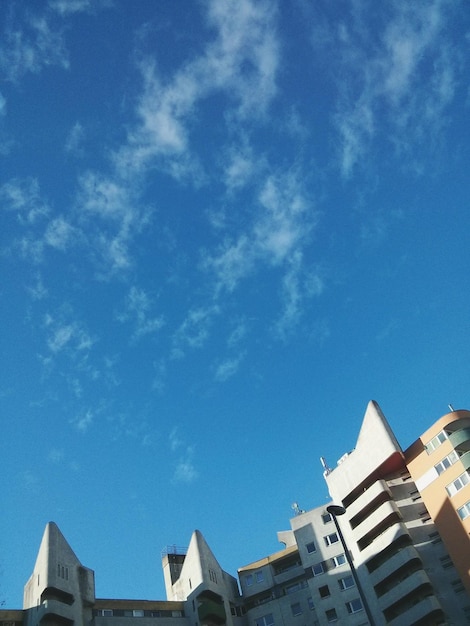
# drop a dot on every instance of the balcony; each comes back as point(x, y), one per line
point(375, 518)
point(397, 560)
point(367, 497)
point(54, 611)
point(425, 608)
point(211, 611)
point(460, 439)
point(389, 536)
point(404, 587)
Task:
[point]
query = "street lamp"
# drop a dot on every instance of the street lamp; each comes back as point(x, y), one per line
point(334, 510)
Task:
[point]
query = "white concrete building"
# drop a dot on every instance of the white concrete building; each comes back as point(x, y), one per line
point(385, 550)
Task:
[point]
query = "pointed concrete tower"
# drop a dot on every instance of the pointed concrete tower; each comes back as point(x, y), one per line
point(210, 593)
point(377, 453)
point(60, 589)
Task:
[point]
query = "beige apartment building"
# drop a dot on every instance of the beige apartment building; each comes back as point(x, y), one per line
point(391, 547)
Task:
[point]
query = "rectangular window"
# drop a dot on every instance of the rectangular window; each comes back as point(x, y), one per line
point(137, 613)
point(457, 586)
point(354, 606)
point(259, 576)
point(331, 615)
point(458, 484)
point(295, 587)
point(446, 561)
point(324, 591)
point(249, 580)
point(296, 609)
point(326, 517)
point(213, 576)
point(338, 560)
point(311, 547)
point(330, 539)
point(318, 569)
point(311, 605)
point(446, 462)
point(346, 583)
point(464, 511)
point(266, 620)
point(436, 442)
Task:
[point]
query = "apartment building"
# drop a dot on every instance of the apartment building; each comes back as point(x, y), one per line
point(391, 547)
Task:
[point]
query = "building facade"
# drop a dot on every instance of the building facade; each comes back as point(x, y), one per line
point(392, 547)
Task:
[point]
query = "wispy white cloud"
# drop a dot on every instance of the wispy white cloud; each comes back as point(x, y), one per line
point(74, 140)
point(22, 196)
point(58, 233)
point(240, 62)
point(69, 7)
point(240, 166)
point(137, 308)
point(174, 439)
point(185, 470)
point(229, 367)
point(298, 286)
point(38, 291)
point(194, 331)
point(238, 333)
point(282, 222)
point(83, 420)
point(408, 80)
point(29, 46)
point(70, 336)
point(113, 217)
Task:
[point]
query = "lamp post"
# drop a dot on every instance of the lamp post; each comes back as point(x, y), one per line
point(334, 510)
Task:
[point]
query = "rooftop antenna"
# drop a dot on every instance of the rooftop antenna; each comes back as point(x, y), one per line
point(451, 408)
point(297, 510)
point(326, 469)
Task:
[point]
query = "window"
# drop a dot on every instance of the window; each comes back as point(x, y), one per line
point(458, 484)
point(464, 510)
point(330, 539)
point(338, 560)
point(346, 583)
point(354, 606)
point(446, 561)
point(318, 569)
point(457, 586)
point(326, 517)
point(137, 613)
point(436, 441)
point(266, 620)
point(311, 605)
point(331, 615)
point(311, 547)
point(213, 576)
point(324, 591)
point(446, 462)
point(296, 609)
point(295, 587)
point(249, 580)
point(259, 576)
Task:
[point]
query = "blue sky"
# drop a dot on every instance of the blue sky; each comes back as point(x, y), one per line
point(225, 226)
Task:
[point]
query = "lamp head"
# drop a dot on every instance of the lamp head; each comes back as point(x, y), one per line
point(335, 510)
